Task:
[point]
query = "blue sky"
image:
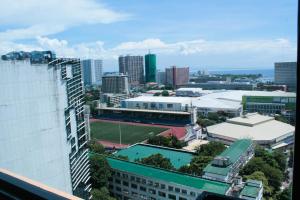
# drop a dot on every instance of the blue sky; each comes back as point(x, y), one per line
point(200, 34)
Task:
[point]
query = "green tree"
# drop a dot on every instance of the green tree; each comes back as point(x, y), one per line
point(100, 171)
point(157, 94)
point(281, 159)
point(101, 194)
point(175, 143)
point(213, 116)
point(158, 140)
point(205, 122)
point(197, 165)
point(157, 160)
point(286, 194)
point(281, 118)
point(165, 93)
point(291, 159)
point(213, 149)
point(95, 146)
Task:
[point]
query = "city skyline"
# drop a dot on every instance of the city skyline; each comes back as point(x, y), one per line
point(248, 34)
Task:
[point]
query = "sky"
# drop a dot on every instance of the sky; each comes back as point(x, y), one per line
point(210, 35)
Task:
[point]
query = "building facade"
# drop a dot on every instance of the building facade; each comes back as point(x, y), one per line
point(161, 77)
point(133, 67)
point(92, 72)
point(150, 68)
point(117, 83)
point(176, 76)
point(43, 132)
point(286, 74)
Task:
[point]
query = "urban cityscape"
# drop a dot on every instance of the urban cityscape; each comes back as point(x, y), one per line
point(144, 123)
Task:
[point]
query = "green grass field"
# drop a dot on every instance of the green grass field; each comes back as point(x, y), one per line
point(130, 133)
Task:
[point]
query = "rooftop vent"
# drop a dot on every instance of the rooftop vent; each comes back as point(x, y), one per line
point(221, 161)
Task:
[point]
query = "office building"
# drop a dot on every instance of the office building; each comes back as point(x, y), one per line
point(176, 76)
point(161, 77)
point(150, 68)
point(256, 127)
point(286, 74)
point(133, 67)
point(92, 72)
point(133, 180)
point(43, 131)
point(115, 83)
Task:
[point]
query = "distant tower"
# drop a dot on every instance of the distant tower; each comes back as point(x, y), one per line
point(150, 67)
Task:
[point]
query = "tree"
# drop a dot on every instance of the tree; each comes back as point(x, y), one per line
point(95, 146)
point(157, 94)
point(197, 165)
point(205, 122)
point(280, 158)
point(258, 175)
point(157, 160)
point(286, 194)
point(175, 143)
point(165, 93)
point(213, 149)
point(101, 194)
point(158, 140)
point(100, 171)
point(291, 159)
point(281, 118)
point(213, 116)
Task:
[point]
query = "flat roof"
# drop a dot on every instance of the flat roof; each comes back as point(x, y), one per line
point(168, 176)
point(250, 119)
point(264, 131)
point(185, 100)
point(177, 157)
point(234, 151)
point(144, 110)
point(250, 191)
point(278, 93)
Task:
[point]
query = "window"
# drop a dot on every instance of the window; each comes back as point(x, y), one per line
point(118, 174)
point(134, 194)
point(118, 189)
point(132, 178)
point(177, 190)
point(193, 194)
point(125, 176)
point(172, 196)
point(134, 186)
point(117, 181)
point(150, 182)
point(170, 188)
point(163, 186)
point(182, 198)
point(169, 105)
point(162, 194)
point(125, 183)
point(138, 180)
point(125, 191)
point(156, 185)
point(152, 191)
point(184, 191)
point(143, 188)
point(144, 181)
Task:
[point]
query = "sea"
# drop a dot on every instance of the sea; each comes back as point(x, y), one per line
point(267, 74)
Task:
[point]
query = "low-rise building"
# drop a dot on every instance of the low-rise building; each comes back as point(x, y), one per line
point(264, 130)
point(225, 167)
point(191, 92)
point(253, 190)
point(112, 99)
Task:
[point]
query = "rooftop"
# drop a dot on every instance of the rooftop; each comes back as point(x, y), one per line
point(234, 151)
point(252, 128)
point(178, 158)
point(251, 188)
point(271, 93)
point(185, 100)
point(169, 176)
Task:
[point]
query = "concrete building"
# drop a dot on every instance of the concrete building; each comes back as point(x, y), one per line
point(286, 74)
point(136, 181)
point(225, 167)
point(158, 103)
point(133, 180)
point(115, 83)
point(43, 131)
point(112, 99)
point(150, 68)
point(176, 76)
point(92, 72)
point(276, 102)
point(253, 190)
point(221, 85)
point(161, 77)
point(263, 130)
point(191, 92)
point(133, 67)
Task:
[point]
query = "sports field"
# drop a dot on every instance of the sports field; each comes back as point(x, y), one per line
point(130, 134)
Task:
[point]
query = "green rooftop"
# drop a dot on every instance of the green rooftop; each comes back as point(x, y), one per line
point(168, 176)
point(250, 191)
point(234, 151)
point(178, 158)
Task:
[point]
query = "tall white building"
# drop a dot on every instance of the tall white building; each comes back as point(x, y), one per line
point(92, 71)
point(43, 132)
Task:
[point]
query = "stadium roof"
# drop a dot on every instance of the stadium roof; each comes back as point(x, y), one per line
point(183, 100)
point(234, 151)
point(178, 158)
point(256, 127)
point(168, 176)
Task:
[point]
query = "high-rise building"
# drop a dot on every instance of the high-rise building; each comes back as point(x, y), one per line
point(133, 67)
point(177, 76)
point(43, 132)
point(161, 77)
point(92, 72)
point(286, 74)
point(117, 83)
point(150, 68)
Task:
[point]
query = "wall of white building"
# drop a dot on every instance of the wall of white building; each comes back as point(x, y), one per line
point(32, 129)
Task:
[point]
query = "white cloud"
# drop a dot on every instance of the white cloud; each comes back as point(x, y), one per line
point(32, 18)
